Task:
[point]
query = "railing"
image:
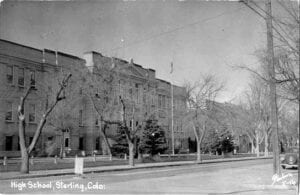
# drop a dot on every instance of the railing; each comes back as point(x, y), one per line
point(5, 161)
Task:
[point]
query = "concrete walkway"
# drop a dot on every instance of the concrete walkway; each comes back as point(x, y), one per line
point(46, 173)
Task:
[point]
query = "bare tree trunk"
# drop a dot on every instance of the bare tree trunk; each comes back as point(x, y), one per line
point(105, 138)
point(25, 151)
point(257, 144)
point(25, 162)
point(252, 146)
point(266, 145)
point(131, 153)
point(199, 151)
point(61, 145)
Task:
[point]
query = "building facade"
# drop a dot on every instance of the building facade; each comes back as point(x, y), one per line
point(74, 125)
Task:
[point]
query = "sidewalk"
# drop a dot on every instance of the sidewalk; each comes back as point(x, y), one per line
point(47, 173)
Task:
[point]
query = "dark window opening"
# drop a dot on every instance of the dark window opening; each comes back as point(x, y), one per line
point(81, 143)
point(31, 113)
point(19, 144)
point(80, 117)
point(21, 77)
point(32, 78)
point(98, 143)
point(9, 75)
point(8, 143)
point(66, 142)
point(9, 113)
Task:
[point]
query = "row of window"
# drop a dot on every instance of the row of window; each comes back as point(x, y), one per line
point(20, 75)
point(164, 102)
point(31, 112)
point(9, 142)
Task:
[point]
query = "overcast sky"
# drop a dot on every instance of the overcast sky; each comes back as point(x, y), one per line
point(198, 37)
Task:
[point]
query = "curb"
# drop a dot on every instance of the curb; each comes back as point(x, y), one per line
point(184, 163)
point(273, 187)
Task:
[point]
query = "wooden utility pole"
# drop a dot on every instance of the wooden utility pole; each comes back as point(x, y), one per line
point(298, 98)
point(272, 84)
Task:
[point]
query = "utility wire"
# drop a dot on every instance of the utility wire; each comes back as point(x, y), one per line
point(174, 30)
point(275, 20)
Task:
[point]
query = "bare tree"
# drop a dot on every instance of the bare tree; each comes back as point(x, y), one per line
point(199, 95)
point(49, 106)
point(286, 48)
point(100, 88)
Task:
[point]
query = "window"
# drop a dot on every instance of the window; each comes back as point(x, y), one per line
point(31, 113)
point(96, 121)
point(137, 99)
point(66, 142)
point(98, 143)
point(50, 138)
point(21, 77)
point(81, 143)
point(8, 143)
point(159, 101)
point(153, 98)
point(30, 140)
point(10, 74)
point(32, 78)
point(9, 112)
point(130, 93)
point(163, 101)
point(18, 144)
point(80, 117)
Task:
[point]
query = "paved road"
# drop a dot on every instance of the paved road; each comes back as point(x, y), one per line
point(245, 177)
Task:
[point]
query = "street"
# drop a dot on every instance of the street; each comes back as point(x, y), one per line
point(244, 177)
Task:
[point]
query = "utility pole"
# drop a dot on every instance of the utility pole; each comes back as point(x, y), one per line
point(172, 113)
point(272, 84)
point(298, 100)
point(172, 118)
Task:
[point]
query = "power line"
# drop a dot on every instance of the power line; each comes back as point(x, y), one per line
point(175, 29)
point(275, 21)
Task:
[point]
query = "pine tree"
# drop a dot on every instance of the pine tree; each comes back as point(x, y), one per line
point(153, 140)
point(121, 145)
point(226, 143)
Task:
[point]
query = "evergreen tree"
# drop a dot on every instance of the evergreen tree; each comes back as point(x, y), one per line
point(153, 140)
point(121, 145)
point(211, 142)
point(226, 143)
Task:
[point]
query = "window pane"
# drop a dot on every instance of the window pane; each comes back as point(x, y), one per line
point(80, 117)
point(8, 115)
point(21, 77)
point(66, 142)
point(9, 74)
point(32, 78)
point(96, 120)
point(31, 113)
point(81, 143)
point(8, 143)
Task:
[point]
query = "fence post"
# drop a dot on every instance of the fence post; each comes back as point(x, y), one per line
point(55, 159)
point(110, 157)
point(5, 160)
point(31, 160)
point(94, 159)
point(125, 156)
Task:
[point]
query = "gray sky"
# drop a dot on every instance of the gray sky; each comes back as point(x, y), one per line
point(199, 37)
